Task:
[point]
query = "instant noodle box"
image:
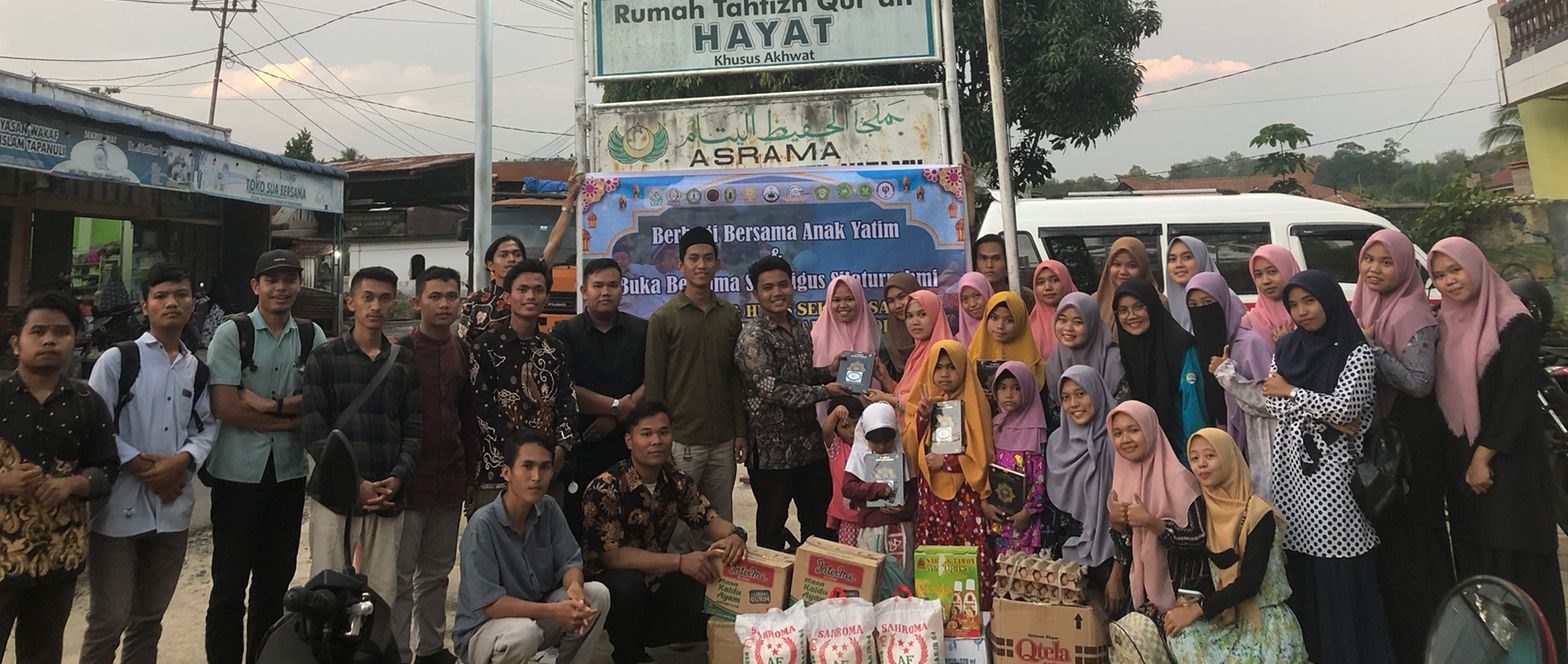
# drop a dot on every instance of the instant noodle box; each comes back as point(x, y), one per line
point(821, 566)
point(951, 575)
point(723, 643)
point(754, 585)
point(1025, 633)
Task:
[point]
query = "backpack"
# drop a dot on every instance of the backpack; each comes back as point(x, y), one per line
point(131, 367)
point(247, 333)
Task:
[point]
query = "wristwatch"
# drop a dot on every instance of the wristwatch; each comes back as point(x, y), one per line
point(741, 533)
point(615, 408)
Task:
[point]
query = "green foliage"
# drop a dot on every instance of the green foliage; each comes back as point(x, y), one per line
point(1070, 77)
point(1059, 188)
point(301, 147)
point(1233, 164)
point(1459, 208)
point(1284, 162)
point(350, 154)
point(1505, 135)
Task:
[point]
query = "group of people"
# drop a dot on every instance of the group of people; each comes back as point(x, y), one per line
point(1194, 455)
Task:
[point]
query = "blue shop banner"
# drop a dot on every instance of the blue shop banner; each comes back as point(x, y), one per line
point(69, 148)
point(869, 222)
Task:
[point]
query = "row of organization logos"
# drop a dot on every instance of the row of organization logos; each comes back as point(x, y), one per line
point(882, 190)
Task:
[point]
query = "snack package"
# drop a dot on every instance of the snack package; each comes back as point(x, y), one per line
point(775, 637)
point(841, 630)
point(909, 631)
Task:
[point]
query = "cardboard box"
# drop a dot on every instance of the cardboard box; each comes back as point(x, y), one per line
point(951, 575)
point(822, 566)
point(723, 644)
point(964, 651)
point(1023, 633)
point(754, 585)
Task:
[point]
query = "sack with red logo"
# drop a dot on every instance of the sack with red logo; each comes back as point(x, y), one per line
point(909, 629)
point(841, 630)
point(775, 637)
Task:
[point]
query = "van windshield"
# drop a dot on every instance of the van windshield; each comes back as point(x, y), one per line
point(532, 223)
point(1083, 251)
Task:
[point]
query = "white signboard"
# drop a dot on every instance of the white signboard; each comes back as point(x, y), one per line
point(228, 176)
point(646, 38)
point(867, 126)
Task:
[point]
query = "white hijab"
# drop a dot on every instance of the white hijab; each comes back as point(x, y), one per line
point(876, 416)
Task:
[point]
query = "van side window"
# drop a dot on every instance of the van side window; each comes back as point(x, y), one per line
point(1231, 245)
point(1027, 256)
point(1082, 250)
point(1335, 249)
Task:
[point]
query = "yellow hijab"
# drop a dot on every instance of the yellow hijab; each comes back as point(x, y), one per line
point(977, 423)
point(1020, 347)
point(1234, 510)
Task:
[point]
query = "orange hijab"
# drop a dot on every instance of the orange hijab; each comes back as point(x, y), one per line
point(978, 452)
point(1020, 347)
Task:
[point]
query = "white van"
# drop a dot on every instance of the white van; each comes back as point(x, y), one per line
point(1077, 230)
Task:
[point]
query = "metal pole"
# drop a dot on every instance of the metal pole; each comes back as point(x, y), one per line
point(581, 84)
point(217, 64)
point(955, 128)
point(1004, 159)
point(483, 81)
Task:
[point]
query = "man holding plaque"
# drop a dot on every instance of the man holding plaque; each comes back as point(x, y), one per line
point(787, 461)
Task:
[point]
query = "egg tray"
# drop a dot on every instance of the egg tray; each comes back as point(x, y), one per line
point(1039, 579)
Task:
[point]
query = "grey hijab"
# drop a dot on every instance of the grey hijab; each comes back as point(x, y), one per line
point(1177, 293)
point(1079, 462)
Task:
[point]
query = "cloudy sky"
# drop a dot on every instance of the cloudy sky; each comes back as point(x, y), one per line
point(418, 54)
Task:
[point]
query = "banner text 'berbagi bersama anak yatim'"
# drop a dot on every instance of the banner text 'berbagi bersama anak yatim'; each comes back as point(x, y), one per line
point(640, 38)
point(868, 222)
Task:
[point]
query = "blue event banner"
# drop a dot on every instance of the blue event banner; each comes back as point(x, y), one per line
point(868, 222)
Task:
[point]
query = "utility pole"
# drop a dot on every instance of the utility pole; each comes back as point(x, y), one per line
point(483, 187)
point(223, 9)
point(1004, 158)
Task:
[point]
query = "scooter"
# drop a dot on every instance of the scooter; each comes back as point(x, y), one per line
point(335, 618)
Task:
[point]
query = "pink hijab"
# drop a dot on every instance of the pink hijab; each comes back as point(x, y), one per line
point(1269, 313)
point(1024, 429)
point(1042, 321)
point(830, 338)
point(1397, 315)
point(1166, 489)
point(967, 327)
point(1469, 335)
point(917, 357)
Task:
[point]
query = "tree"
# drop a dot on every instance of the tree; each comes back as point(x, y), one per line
point(350, 154)
point(1505, 135)
point(108, 91)
point(1070, 77)
point(1460, 207)
point(1284, 162)
point(301, 147)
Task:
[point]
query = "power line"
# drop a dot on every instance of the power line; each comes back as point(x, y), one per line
point(393, 19)
point(1271, 100)
point(356, 97)
point(1304, 56)
point(1484, 31)
point(301, 113)
point(499, 25)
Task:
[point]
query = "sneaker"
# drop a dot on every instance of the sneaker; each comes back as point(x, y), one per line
point(437, 657)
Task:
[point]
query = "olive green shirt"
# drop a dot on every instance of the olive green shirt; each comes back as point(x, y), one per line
point(690, 365)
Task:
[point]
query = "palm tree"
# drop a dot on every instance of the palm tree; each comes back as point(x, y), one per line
point(1505, 135)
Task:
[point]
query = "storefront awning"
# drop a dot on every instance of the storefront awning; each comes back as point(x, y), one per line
point(48, 135)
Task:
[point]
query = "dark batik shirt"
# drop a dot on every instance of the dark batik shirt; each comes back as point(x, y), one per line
point(484, 311)
point(521, 383)
point(384, 434)
point(451, 436)
point(619, 510)
point(71, 432)
point(782, 390)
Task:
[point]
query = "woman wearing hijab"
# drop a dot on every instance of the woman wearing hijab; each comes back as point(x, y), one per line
point(1246, 620)
point(974, 291)
point(1272, 267)
point(1243, 360)
point(1078, 471)
point(1499, 500)
point(897, 343)
point(952, 485)
point(1186, 258)
point(1321, 391)
point(927, 326)
point(1126, 260)
point(1159, 536)
point(1052, 282)
point(1083, 339)
point(1414, 561)
point(1006, 335)
point(1161, 361)
point(1019, 433)
point(886, 530)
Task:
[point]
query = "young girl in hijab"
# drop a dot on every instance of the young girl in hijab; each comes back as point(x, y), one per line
point(1414, 562)
point(1246, 620)
point(897, 343)
point(973, 293)
point(1216, 325)
point(1186, 258)
point(927, 326)
point(1272, 266)
point(838, 428)
point(1161, 361)
point(1152, 511)
point(1052, 281)
point(1321, 392)
point(1126, 260)
point(952, 485)
point(1019, 435)
point(1083, 339)
point(1487, 374)
point(1078, 468)
point(889, 530)
point(1006, 335)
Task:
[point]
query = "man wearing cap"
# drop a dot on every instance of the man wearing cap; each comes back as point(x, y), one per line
point(257, 464)
point(690, 365)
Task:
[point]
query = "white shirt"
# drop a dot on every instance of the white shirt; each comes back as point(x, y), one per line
point(157, 420)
